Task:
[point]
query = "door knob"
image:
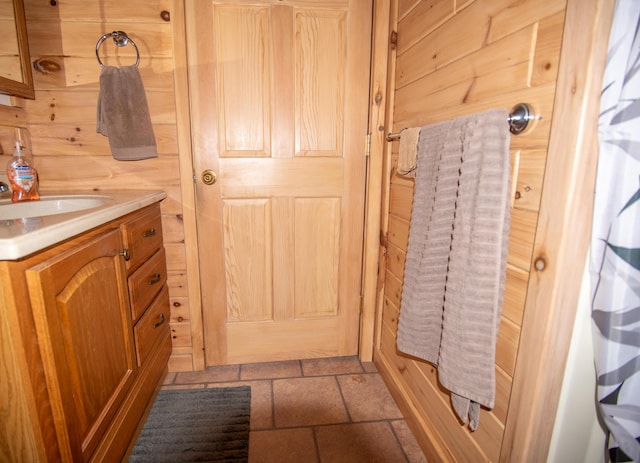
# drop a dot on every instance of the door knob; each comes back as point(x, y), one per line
point(208, 177)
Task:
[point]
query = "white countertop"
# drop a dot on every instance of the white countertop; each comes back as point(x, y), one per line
point(21, 237)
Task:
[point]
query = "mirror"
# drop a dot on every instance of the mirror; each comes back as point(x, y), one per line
point(15, 66)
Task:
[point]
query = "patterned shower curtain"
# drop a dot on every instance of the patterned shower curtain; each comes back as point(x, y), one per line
point(615, 247)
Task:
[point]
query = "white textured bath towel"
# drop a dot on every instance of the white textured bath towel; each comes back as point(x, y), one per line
point(454, 283)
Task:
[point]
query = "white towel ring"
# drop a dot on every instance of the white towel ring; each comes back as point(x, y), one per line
point(121, 39)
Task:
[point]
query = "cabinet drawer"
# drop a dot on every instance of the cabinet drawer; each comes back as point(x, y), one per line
point(146, 282)
point(142, 237)
point(153, 325)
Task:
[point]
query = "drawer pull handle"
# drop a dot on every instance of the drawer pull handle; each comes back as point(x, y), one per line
point(150, 232)
point(156, 278)
point(125, 253)
point(157, 324)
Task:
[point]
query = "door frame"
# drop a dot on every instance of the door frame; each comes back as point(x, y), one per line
point(193, 358)
point(380, 117)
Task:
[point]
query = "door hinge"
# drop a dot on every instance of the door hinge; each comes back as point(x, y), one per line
point(367, 149)
point(361, 308)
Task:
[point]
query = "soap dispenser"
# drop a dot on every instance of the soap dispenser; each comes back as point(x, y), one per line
point(22, 177)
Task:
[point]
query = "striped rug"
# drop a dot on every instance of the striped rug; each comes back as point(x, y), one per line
point(196, 425)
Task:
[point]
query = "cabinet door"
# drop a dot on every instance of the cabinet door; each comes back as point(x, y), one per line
point(80, 304)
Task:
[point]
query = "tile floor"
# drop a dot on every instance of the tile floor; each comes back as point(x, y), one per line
point(315, 411)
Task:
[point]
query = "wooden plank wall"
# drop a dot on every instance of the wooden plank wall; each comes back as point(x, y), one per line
point(61, 121)
point(455, 58)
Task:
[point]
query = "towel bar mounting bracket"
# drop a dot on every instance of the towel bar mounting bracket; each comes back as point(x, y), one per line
point(519, 118)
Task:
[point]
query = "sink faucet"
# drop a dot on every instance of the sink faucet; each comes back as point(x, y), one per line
point(4, 190)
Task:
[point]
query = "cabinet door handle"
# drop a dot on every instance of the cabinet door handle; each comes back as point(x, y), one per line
point(148, 233)
point(125, 253)
point(156, 278)
point(157, 324)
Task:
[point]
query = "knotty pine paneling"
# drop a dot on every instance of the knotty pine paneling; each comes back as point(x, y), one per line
point(92, 11)
point(172, 228)
point(455, 59)
point(56, 139)
point(13, 123)
point(508, 53)
point(180, 310)
point(80, 73)
point(75, 105)
point(547, 54)
point(424, 18)
point(177, 283)
point(153, 40)
point(514, 294)
point(61, 121)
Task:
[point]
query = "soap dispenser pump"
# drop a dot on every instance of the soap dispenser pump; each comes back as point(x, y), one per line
point(23, 177)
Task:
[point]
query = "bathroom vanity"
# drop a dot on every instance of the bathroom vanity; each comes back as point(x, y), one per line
point(84, 329)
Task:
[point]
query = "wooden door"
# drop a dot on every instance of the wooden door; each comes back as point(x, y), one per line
point(279, 113)
point(81, 309)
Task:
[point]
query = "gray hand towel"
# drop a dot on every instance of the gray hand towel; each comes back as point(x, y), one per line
point(123, 114)
point(456, 257)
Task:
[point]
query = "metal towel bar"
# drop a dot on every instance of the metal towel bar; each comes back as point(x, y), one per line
point(121, 39)
point(518, 120)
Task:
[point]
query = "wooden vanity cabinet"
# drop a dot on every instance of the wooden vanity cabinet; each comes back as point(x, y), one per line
point(103, 341)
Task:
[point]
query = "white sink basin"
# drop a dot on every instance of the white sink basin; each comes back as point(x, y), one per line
point(50, 205)
point(32, 226)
